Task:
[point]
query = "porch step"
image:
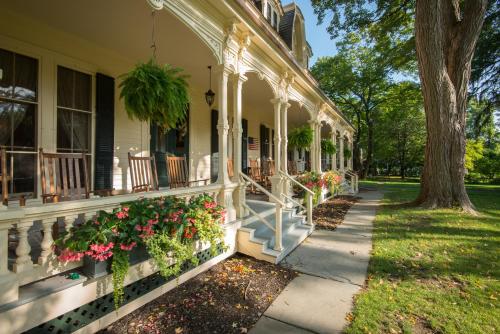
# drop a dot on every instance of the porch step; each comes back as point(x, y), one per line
point(257, 240)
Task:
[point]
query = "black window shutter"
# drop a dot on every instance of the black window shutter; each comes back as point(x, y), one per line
point(104, 131)
point(244, 146)
point(264, 144)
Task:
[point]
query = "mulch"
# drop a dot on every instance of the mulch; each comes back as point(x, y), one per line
point(228, 298)
point(330, 214)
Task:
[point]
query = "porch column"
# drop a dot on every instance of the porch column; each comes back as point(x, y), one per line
point(318, 147)
point(352, 154)
point(226, 194)
point(276, 179)
point(239, 193)
point(334, 156)
point(341, 153)
point(284, 136)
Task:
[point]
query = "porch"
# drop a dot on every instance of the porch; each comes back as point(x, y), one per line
point(69, 71)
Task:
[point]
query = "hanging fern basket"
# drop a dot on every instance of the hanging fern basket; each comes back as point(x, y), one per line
point(328, 147)
point(156, 94)
point(300, 138)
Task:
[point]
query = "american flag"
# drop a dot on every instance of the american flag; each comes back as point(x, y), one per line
point(253, 144)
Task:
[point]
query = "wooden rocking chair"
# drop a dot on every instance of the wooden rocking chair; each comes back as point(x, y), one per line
point(292, 167)
point(255, 173)
point(178, 172)
point(143, 173)
point(268, 171)
point(64, 176)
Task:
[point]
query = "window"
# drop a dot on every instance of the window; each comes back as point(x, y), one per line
point(18, 115)
point(74, 111)
point(269, 12)
point(275, 20)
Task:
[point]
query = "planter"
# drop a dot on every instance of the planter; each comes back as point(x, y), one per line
point(94, 269)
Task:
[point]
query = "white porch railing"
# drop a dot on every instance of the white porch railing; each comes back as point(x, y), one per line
point(278, 246)
point(354, 181)
point(309, 197)
point(16, 230)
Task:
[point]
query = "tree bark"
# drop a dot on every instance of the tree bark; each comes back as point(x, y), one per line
point(446, 36)
point(369, 151)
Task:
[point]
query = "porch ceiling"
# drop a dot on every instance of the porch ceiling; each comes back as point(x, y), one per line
point(123, 27)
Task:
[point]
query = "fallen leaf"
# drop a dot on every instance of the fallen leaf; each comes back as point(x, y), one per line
point(178, 330)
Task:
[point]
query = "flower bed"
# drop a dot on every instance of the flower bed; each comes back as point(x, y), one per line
point(166, 227)
point(315, 182)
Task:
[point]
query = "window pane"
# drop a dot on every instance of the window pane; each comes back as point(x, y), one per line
point(5, 123)
point(6, 66)
point(23, 122)
point(26, 70)
point(24, 173)
point(81, 135)
point(63, 129)
point(83, 86)
point(65, 87)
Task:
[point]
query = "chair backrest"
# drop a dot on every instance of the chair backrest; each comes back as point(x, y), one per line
point(230, 168)
point(64, 176)
point(254, 170)
point(4, 176)
point(143, 173)
point(178, 174)
point(292, 167)
point(268, 167)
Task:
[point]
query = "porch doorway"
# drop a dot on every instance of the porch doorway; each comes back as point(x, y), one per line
point(174, 142)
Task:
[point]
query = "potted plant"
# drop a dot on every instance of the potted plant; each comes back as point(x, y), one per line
point(328, 147)
point(312, 181)
point(300, 138)
point(157, 94)
point(164, 228)
point(347, 153)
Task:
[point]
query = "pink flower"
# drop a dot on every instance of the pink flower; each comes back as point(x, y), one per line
point(68, 255)
point(125, 209)
point(128, 247)
point(121, 214)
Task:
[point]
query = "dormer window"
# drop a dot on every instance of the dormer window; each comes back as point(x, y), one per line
point(271, 15)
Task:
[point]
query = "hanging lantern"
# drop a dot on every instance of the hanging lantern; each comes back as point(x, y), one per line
point(210, 95)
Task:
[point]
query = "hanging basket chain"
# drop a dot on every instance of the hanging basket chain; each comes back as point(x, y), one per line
point(153, 41)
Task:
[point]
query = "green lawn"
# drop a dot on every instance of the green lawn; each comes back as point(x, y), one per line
point(432, 271)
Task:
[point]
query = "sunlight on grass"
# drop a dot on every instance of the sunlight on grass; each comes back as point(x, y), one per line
point(432, 271)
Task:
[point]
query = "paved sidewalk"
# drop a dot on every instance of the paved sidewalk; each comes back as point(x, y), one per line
point(333, 266)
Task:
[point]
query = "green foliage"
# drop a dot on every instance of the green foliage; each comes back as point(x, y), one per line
point(328, 147)
point(119, 269)
point(167, 226)
point(347, 153)
point(301, 137)
point(312, 181)
point(161, 245)
point(157, 94)
point(474, 150)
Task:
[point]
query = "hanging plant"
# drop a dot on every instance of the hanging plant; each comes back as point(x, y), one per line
point(347, 153)
point(328, 147)
point(157, 94)
point(301, 138)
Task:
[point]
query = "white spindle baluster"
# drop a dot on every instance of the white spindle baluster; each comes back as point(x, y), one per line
point(23, 261)
point(47, 242)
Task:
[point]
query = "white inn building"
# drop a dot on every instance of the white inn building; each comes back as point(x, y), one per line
point(60, 68)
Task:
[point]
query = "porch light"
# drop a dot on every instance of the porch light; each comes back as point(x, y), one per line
point(210, 95)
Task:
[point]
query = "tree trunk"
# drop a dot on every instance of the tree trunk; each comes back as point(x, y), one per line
point(445, 38)
point(369, 151)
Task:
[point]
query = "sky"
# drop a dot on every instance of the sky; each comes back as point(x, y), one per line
point(316, 35)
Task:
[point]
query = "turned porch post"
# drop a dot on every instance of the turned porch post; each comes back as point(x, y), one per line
point(318, 147)
point(341, 149)
point(334, 156)
point(312, 123)
point(284, 136)
point(276, 179)
point(239, 193)
point(226, 194)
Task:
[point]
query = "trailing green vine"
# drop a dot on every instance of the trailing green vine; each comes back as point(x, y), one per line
point(119, 268)
point(328, 147)
point(162, 247)
point(301, 137)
